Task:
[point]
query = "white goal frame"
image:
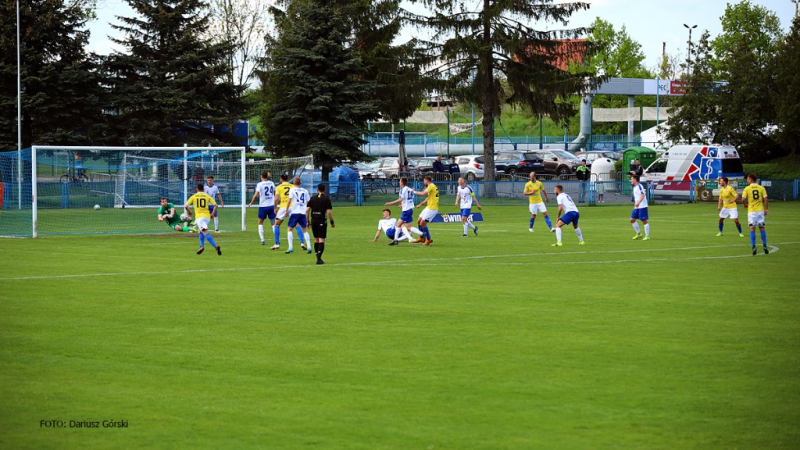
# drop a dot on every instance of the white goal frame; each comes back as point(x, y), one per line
point(185, 150)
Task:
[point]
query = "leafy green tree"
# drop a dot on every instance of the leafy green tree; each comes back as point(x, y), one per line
point(786, 94)
point(61, 92)
point(618, 56)
point(697, 112)
point(170, 87)
point(315, 98)
point(482, 48)
point(760, 26)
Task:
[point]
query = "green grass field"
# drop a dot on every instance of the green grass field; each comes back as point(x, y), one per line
point(493, 342)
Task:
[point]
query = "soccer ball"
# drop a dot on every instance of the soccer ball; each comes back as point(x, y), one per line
point(185, 217)
point(96, 206)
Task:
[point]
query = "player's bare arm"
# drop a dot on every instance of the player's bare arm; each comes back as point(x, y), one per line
point(330, 216)
point(766, 204)
point(393, 203)
point(253, 199)
point(422, 203)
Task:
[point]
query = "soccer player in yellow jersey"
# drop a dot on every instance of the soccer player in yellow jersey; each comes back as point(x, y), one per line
point(727, 205)
point(534, 190)
point(204, 206)
point(282, 199)
point(754, 197)
point(430, 211)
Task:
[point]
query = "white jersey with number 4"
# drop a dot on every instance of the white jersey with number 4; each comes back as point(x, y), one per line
point(266, 193)
point(566, 203)
point(407, 194)
point(465, 195)
point(299, 197)
point(386, 224)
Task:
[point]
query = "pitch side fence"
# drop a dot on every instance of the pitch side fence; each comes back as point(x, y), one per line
point(510, 192)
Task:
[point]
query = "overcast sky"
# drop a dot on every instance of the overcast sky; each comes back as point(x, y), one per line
point(649, 22)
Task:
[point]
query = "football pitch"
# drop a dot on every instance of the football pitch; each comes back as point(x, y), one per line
point(495, 341)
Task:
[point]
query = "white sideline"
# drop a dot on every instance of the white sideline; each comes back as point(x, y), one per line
point(417, 262)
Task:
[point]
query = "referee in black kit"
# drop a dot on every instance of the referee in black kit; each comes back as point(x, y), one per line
point(319, 208)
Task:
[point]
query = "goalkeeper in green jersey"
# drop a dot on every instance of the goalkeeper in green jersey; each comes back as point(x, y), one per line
point(167, 214)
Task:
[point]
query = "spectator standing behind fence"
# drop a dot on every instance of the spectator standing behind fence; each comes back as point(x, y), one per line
point(582, 173)
point(438, 167)
point(454, 170)
point(636, 168)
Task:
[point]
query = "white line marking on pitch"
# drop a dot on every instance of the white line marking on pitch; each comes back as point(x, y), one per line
point(415, 262)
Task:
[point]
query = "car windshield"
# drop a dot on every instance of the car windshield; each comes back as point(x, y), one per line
point(563, 155)
point(479, 160)
point(363, 166)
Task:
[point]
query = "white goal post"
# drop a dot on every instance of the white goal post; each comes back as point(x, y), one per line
point(79, 178)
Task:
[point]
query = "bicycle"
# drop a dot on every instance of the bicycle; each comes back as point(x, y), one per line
point(68, 177)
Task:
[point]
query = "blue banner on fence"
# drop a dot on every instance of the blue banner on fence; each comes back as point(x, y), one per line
point(456, 217)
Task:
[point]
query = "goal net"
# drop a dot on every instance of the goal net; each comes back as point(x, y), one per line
point(101, 190)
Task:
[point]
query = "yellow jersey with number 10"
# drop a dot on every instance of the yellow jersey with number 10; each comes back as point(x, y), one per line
point(755, 195)
point(202, 204)
point(433, 196)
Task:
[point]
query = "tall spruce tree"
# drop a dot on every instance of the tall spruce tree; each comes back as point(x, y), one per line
point(61, 92)
point(315, 99)
point(487, 51)
point(169, 88)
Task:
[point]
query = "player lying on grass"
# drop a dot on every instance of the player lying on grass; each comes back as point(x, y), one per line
point(167, 214)
point(388, 225)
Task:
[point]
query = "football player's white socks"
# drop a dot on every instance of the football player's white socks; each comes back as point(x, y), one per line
point(636, 227)
point(216, 223)
point(580, 235)
point(471, 225)
point(415, 230)
point(558, 234)
point(406, 234)
point(289, 238)
point(465, 227)
point(261, 232)
point(308, 239)
point(647, 229)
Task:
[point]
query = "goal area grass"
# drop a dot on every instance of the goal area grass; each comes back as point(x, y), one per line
point(492, 341)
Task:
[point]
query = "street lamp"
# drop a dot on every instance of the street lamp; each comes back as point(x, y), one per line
point(689, 47)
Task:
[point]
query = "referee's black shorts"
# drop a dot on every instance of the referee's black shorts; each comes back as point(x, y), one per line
point(319, 229)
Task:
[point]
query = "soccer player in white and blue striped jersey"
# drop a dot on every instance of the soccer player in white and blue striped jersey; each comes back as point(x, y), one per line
point(570, 215)
point(465, 196)
point(406, 199)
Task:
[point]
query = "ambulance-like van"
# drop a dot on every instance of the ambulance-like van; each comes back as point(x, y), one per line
point(672, 173)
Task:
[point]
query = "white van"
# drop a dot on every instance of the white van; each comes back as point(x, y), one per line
point(672, 173)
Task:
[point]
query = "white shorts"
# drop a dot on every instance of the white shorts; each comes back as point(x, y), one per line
point(202, 223)
point(428, 214)
point(534, 207)
point(755, 219)
point(281, 214)
point(729, 213)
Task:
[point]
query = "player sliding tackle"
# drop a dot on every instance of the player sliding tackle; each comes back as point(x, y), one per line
point(403, 225)
point(166, 213)
point(389, 226)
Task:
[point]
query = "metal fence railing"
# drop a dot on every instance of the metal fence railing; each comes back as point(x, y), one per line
point(510, 191)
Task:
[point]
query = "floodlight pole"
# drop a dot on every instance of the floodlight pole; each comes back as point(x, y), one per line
point(689, 47)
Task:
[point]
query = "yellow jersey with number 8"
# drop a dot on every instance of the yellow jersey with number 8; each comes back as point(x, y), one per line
point(755, 195)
